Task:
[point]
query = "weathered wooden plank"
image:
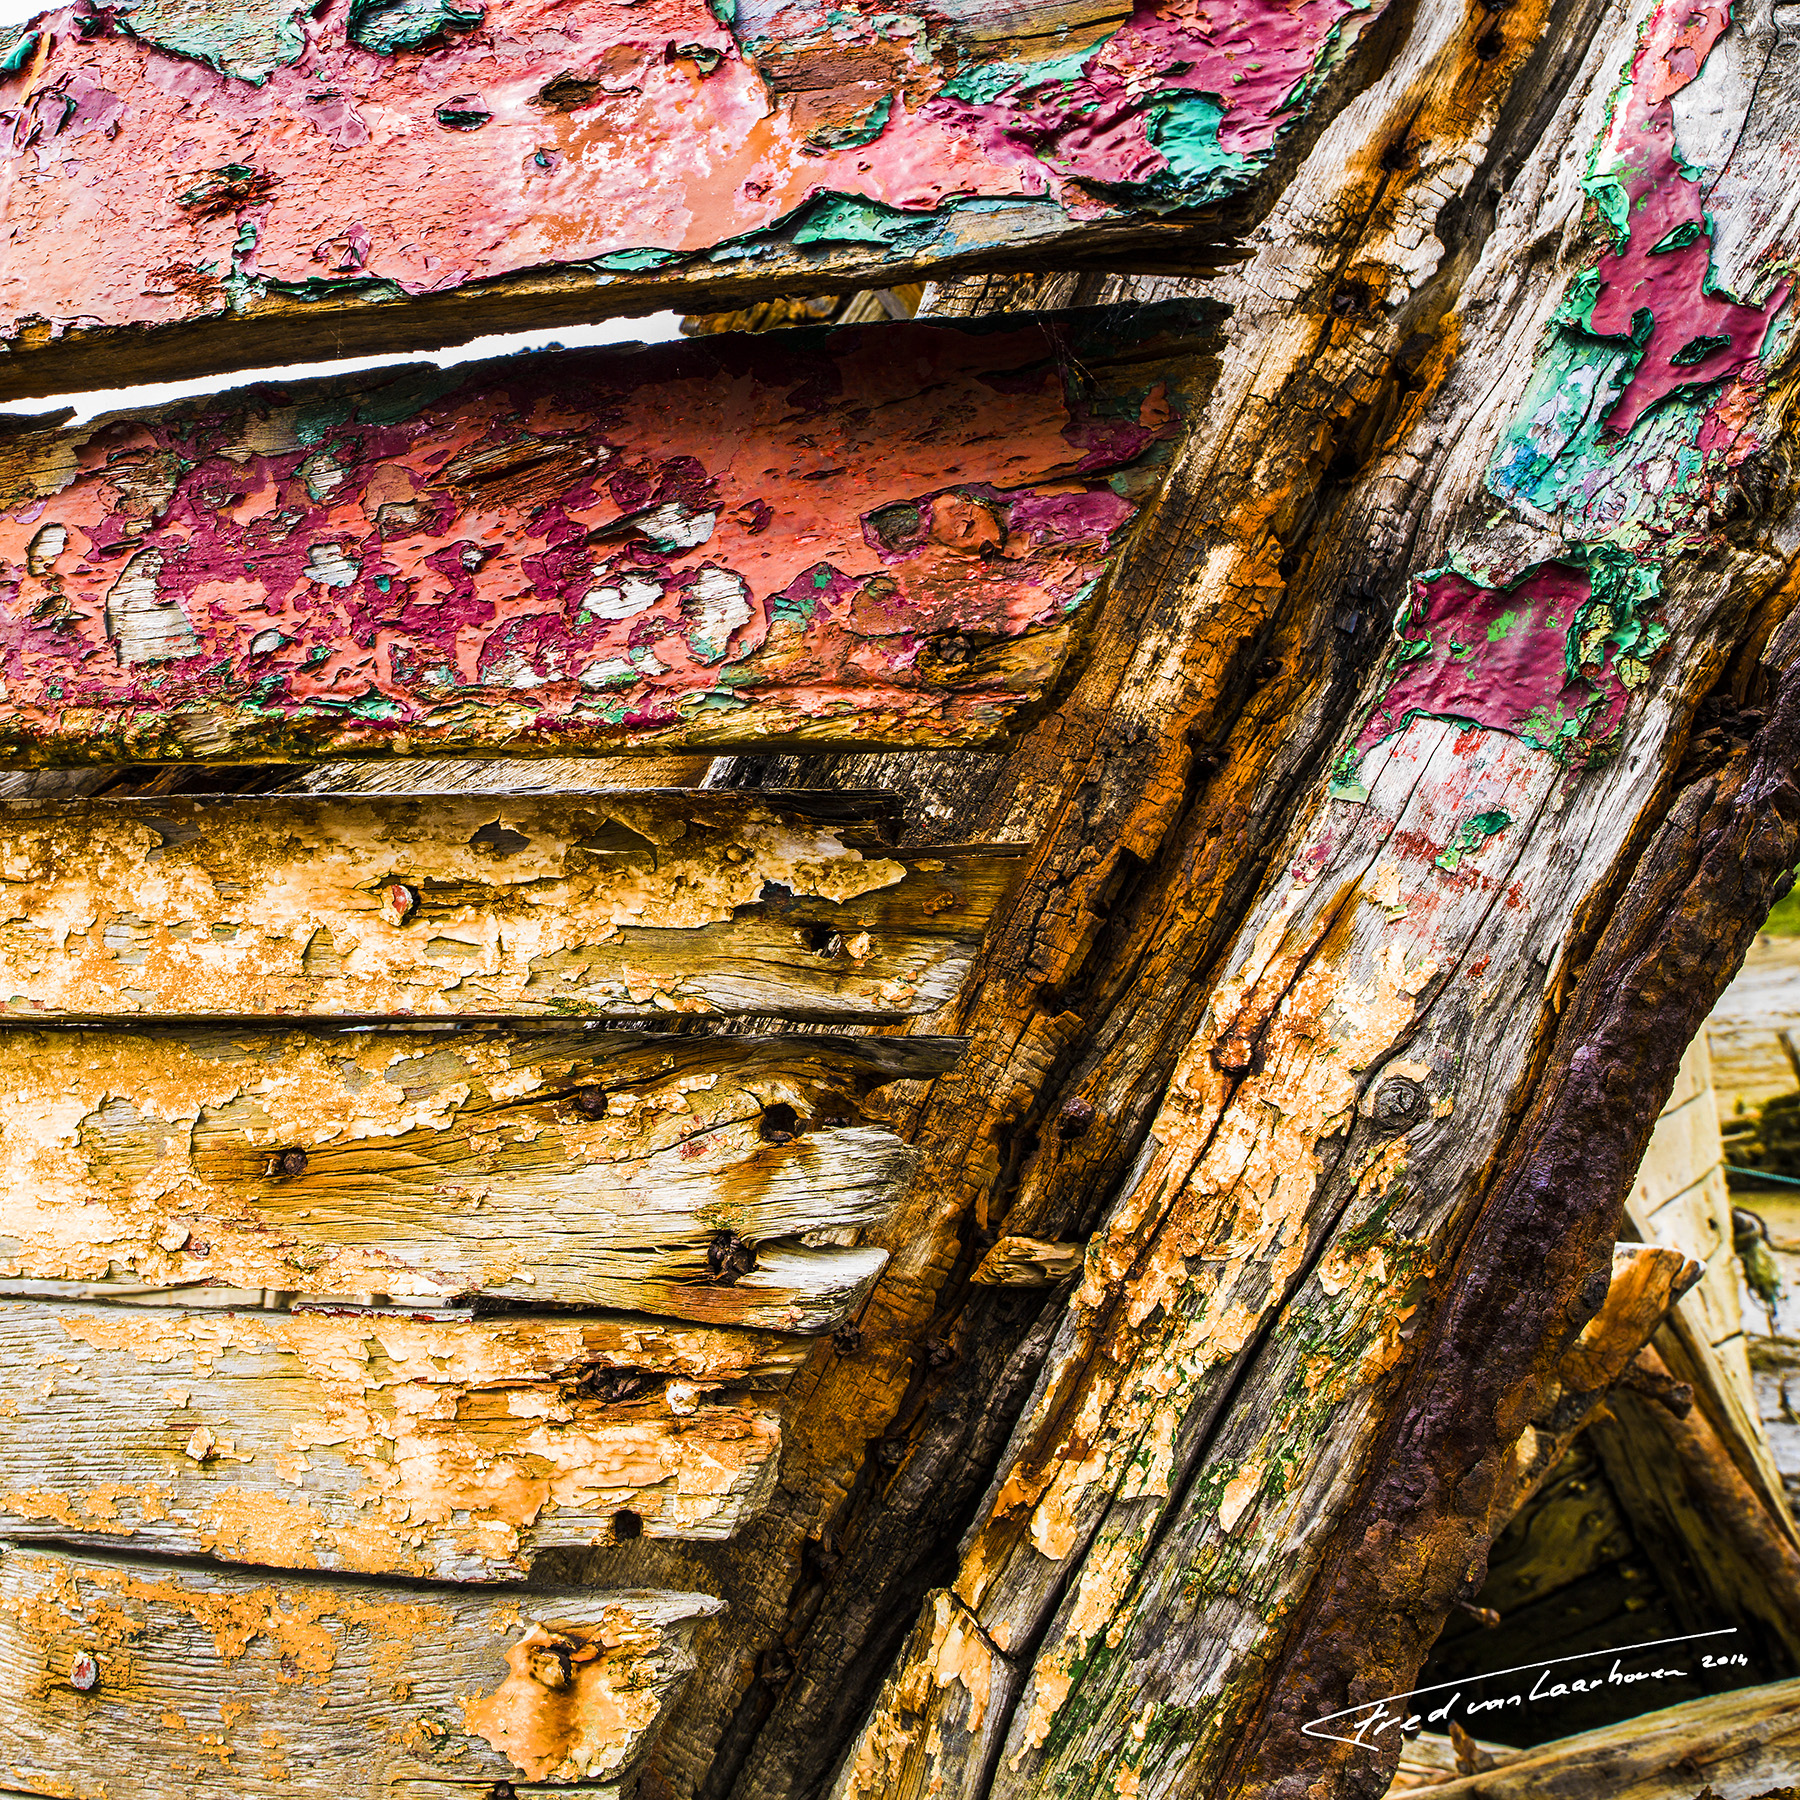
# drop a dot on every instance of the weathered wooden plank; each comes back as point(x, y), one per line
point(681, 1176)
point(378, 1445)
point(1743, 1743)
point(163, 1680)
point(208, 186)
point(611, 904)
point(881, 533)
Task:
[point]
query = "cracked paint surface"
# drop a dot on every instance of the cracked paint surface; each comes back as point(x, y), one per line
point(880, 533)
point(541, 1168)
point(177, 160)
point(1642, 403)
point(313, 1690)
point(606, 905)
point(378, 1445)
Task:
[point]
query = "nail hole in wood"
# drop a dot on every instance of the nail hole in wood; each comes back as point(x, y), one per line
point(627, 1524)
point(779, 1124)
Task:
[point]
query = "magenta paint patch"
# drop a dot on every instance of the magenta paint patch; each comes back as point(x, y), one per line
point(200, 168)
point(1499, 657)
point(810, 534)
point(1654, 287)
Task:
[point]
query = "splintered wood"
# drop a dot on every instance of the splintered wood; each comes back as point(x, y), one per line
point(614, 904)
point(159, 1680)
point(203, 185)
point(380, 1444)
point(879, 534)
point(675, 1176)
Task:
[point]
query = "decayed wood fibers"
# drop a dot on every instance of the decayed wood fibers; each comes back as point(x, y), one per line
point(866, 535)
point(675, 1176)
point(1223, 667)
point(612, 905)
point(219, 184)
point(378, 1445)
point(1250, 1519)
point(127, 1678)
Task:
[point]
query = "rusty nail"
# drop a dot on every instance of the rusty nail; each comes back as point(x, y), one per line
point(590, 1102)
point(287, 1162)
point(84, 1671)
point(1076, 1116)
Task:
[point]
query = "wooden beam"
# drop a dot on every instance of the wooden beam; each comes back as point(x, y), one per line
point(379, 1445)
point(166, 1680)
point(1744, 1742)
point(888, 533)
point(716, 1179)
point(207, 187)
point(611, 904)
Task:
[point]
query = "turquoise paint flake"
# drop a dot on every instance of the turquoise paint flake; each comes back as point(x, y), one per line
point(1185, 128)
point(248, 40)
point(848, 219)
point(852, 137)
point(626, 262)
point(410, 394)
point(1475, 832)
point(21, 53)
point(388, 26)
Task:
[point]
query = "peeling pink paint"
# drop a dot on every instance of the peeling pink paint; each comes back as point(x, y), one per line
point(165, 163)
point(735, 539)
point(1655, 285)
point(1501, 657)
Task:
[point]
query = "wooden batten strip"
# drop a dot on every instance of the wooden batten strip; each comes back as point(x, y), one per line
point(379, 1445)
point(163, 1680)
point(612, 904)
point(296, 185)
point(718, 1179)
point(885, 534)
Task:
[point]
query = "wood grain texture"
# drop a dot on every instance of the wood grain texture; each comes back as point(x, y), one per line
point(308, 1688)
point(455, 1450)
point(1736, 1745)
point(675, 1176)
point(1223, 1474)
point(612, 905)
point(214, 185)
point(883, 533)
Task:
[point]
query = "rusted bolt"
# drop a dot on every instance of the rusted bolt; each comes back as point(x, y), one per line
point(847, 1339)
point(1398, 1101)
point(779, 1124)
point(287, 1162)
point(1073, 1121)
point(626, 1524)
point(590, 1102)
point(84, 1671)
point(728, 1257)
